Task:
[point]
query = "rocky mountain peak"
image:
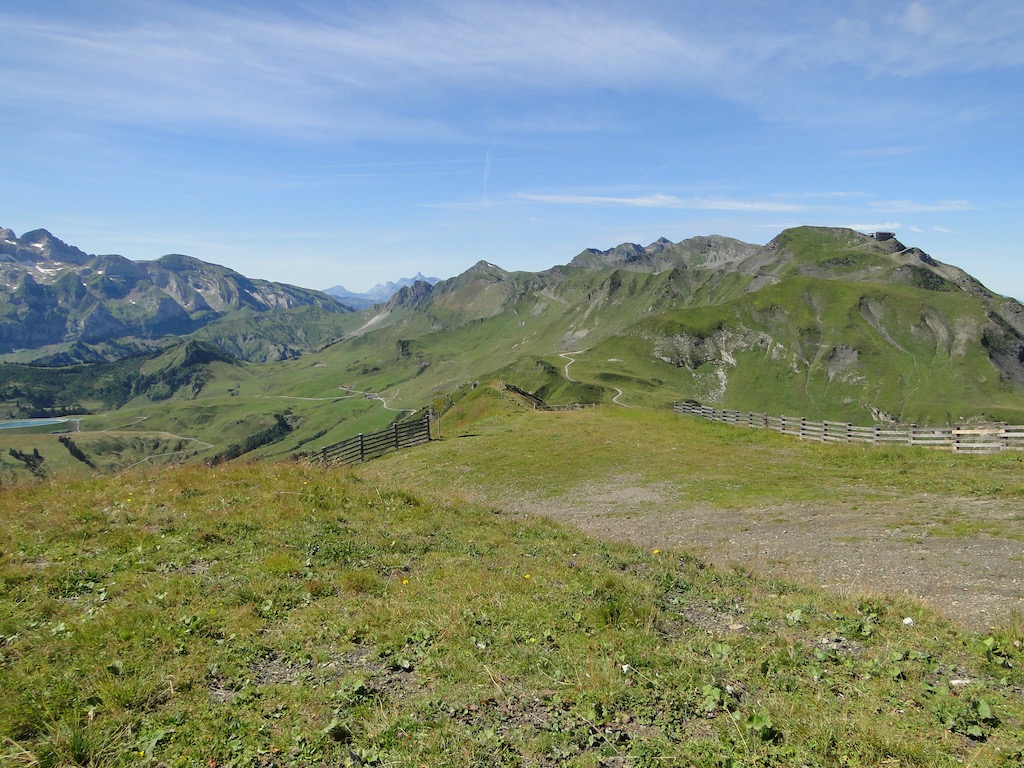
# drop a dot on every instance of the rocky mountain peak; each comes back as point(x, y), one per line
point(40, 246)
point(410, 296)
point(482, 269)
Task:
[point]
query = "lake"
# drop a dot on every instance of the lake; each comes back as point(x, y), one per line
point(30, 423)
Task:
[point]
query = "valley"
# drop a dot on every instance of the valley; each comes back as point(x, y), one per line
point(820, 323)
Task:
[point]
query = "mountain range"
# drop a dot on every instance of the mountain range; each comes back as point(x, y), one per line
point(826, 323)
point(59, 305)
point(379, 293)
point(819, 321)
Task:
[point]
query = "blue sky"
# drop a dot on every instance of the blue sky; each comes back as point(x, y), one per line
point(355, 142)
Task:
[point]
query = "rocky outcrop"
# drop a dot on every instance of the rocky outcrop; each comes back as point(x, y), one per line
point(707, 252)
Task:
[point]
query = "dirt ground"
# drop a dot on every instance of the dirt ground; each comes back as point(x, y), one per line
point(962, 557)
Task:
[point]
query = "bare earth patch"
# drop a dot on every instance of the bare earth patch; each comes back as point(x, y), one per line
point(962, 557)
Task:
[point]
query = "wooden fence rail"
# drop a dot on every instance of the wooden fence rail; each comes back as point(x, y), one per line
point(363, 447)
point(980, 439)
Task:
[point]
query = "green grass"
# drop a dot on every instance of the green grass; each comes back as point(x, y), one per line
point(515, 451)
point(109, 453)
point(280, 615)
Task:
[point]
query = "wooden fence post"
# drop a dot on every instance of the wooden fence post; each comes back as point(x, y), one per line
point(362, 452)
point(395, 425)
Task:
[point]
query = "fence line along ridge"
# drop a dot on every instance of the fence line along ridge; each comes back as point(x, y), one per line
point(539, 405)
point(976, 439)
point(363, 447)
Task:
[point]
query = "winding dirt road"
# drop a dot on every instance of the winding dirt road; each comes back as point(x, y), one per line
point(569, 356)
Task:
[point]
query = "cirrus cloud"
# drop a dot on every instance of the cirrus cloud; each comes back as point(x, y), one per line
point(659, 200)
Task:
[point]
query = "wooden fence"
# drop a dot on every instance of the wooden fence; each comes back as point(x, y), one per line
point(975, 439)
point(363, 447)
point(540, 405)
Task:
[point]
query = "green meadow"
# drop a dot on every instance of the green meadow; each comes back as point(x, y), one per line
point(278, 613)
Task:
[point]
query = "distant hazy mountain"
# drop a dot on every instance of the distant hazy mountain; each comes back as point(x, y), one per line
point(379, 293)
point(60, 305)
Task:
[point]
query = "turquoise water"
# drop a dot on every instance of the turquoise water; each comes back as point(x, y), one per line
point(30, 423)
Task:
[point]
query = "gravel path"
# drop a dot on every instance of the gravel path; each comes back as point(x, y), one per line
point(963, 557)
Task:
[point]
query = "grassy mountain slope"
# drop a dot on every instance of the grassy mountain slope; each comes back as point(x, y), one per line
point(820, 322)
point(196, 392)
point(276, 334)
point(823, 348)
point(74, 456)
point(284, 615)
point(180, 371)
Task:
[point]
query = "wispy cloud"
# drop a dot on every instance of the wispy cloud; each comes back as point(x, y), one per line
point(664, 201)
point(346, 68)
point(351, 69)
point(910, 206)
point(921, 38)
